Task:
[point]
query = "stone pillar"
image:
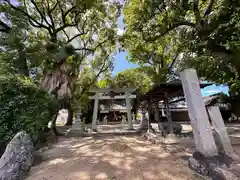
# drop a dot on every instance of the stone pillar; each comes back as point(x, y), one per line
point(129, 112)
point(105, 120)
point(144, 122)
point(95, 112)
point(157, 116)
point(150, 128)
point(78, 124)
point(202, 131)
point(133, 117)
point(169, 117)
point(156, 112)
point(219, 126)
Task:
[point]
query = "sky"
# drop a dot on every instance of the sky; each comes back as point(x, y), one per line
point(121, 64)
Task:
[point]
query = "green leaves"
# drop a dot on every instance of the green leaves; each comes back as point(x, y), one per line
point(205, 33)
point(23, 106)
point(133, 78)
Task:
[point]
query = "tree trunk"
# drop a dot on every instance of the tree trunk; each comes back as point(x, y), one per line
point(70, 116)
point(53, 126)
point(21, 62)
point(150, 128)
point(22, 67)
point(157, 117)
point(170, 126)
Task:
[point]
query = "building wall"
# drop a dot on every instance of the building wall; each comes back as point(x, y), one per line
point(183, 115)
point(180, 116)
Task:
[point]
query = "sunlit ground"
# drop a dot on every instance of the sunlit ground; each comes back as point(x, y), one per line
point(121, 158)
point(125, 158)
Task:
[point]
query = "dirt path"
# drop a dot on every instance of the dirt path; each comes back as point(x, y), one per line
point(110, 158)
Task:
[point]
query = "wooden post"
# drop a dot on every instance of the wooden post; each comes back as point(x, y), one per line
point(202, 131)
point(95, 112)
point(144, 122)
point(169, 117)
point(157, 116)
point(78, 124)
point(219, 126)
point(129, 112)
point(156, 112)
point(149, 114)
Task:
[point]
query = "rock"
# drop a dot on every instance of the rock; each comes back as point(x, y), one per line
point(144, 124)
point(17, 158)
point(218, 142)
point(212, 166)
point(194, 164)
point(221, 174)
point(171, 139)
point(177, 128)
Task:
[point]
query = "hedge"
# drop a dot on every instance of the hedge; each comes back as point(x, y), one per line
point(23, 106)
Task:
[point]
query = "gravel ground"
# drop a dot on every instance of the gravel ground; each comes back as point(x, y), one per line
point(121, 158)
point(110, 158)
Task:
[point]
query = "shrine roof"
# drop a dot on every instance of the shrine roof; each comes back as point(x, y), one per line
point(211, 100)
point(116, 90)
point(172, 88)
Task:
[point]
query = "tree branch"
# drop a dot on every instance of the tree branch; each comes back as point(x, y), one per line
point(173, 62)
point(102, 69)
point(209, 8)
point(64, 15)
point(65, 26)
point(72, 38)
point(40, 13)
point(66, 35)
point(93, 49)
point(49, 12)
point(53, 8)
point(170, 28)
point(196, 12)
point(5, 28)
point(31, 19)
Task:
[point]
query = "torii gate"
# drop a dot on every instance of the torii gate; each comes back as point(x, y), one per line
point(99, 95)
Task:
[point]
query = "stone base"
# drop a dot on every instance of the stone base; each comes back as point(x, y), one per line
point(153, 138)
point(171, 139)
point(105, 122)
point(124, 121)
point(18, 157)
point(144, 126)
point(177, 128)
point(212, 166)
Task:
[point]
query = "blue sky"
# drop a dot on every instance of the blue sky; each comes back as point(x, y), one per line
point(121, 64)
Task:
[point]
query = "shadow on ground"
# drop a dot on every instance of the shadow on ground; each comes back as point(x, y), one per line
point(120, 158)
point(108, 157)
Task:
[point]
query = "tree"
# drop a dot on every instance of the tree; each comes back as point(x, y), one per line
point(67, 34)
point(208, 32)
point(12, 50)
point(209, 27)
point(133, 78)
point(157, 58)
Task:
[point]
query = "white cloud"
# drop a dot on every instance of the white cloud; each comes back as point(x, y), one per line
point(120, 31)
point(212, 91)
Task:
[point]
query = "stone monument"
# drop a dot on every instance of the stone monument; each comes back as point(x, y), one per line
point(206, 161)
point(78, 125)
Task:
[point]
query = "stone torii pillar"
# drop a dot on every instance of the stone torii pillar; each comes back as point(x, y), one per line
point(95, 112)
point(169, 116)
point(202, 131)
point(129, 111)
point(219, 126)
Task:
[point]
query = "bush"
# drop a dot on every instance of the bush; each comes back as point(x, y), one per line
point(23, 106)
